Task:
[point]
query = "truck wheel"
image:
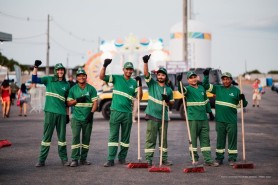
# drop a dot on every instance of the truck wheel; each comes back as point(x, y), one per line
point(106, 110)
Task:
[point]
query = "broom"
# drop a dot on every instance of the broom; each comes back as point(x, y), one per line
point(139, 164)
point(161, 168)
point(244, 163)
point(194, 167)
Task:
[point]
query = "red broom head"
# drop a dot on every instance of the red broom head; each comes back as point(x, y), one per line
point(159, 169)
point(194, 170)
point(138, 165)
point(243, 166)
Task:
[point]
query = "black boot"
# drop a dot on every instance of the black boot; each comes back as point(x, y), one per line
point(74, 163)
point(109, 163)
point(40, 164)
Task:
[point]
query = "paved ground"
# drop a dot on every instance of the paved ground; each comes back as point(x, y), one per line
point(17, 162)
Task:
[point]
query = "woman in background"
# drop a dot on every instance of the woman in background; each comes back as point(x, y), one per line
point(5, 98)
point(22, 95)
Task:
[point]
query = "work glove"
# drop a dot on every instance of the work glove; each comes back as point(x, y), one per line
point(242, 97)
point(234, 82)
point(81, 99)
point(137, 78)
point(37, 63)
point(165, 98)
point(67, 119)
point(211, 116)
point(179, 77)
point(89, 118)
point(107, 62)
point(206, 72)
point(146, 58)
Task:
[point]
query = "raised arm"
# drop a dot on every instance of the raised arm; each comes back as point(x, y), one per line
point(146, 67)
point(35, 78)
point(103, 70)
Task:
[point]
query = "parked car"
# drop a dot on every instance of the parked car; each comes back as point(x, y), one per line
point(274, 87)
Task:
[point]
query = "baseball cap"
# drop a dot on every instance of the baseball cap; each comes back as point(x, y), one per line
point(80, 71)
point(226, 74)
point(190, 73)
point(59, 66)
point(128, 65)
point(162, 70)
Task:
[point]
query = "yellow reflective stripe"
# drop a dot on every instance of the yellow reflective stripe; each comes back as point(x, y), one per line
point(197, 103)
point(84, 104)
point(113, 144)
point(93, 99)
point(163, 149)
point(150, 150)
point(124, 144)
point(75, 146)
point(62, 143)
point(69, 99)
point(220, 150)
point(149, 78)
point(194, 149)
point(136, 89)
point(45, 143)
point(232, 151)
point(110, 79)
point(155, 100)
point(122, 94)
point(205, 148)
point(55, 95)
point(85, 146)
point(226, 104)
point(210, 88)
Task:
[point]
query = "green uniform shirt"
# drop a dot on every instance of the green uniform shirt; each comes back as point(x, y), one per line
point(196, 102)
point(82, 110)
point(123, 92)
point(154, 107)
point(56, 94)
point(227, 101)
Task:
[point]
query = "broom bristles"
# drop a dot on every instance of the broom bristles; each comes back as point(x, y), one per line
point(160, 169)
point(138, 165)
point(192, 169)
point(243, 166)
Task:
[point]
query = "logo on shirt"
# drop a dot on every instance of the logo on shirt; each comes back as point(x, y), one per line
point(64, 88)
point(87, 94)
point(131, 87)
point(231, 94)
point(203, 93)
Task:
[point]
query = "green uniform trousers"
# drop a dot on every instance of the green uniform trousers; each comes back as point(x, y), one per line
point(80, 151)
point(154, 127)
point(200, 129)
point(224, 129)
point(52, 120)
point(119, 120)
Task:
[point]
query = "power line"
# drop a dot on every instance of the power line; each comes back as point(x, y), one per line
point(22, 18)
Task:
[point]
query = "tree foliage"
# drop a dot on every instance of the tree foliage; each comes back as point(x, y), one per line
point(9, 63)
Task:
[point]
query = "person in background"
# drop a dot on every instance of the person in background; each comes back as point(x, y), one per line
point(5, 98)
point(70, 81)
point(23, 97)
point(257, 89)
point(14, 89)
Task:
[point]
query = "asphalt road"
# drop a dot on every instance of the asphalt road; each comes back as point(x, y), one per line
point(17, 161)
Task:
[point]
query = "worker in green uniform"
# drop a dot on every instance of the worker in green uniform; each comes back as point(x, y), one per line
point(227, 99)
point(83, 97)
point(197, 117)
point(125, 89)
point(55, 111)
point(154, 112)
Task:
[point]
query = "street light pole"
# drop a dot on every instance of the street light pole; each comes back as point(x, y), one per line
point(47, 47)
point(185, 33)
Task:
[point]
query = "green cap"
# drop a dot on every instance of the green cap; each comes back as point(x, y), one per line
point(190, 73)
point(162, 70)
point(80, 71)
point(59, 66)
point(128, 65)
point(226, 74)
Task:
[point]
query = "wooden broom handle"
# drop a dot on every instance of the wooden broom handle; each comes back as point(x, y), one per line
point(162, 131)
point(242, 122)
point(138, 120)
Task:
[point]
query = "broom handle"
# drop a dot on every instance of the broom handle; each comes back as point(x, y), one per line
point(187, 125)
point(242, 121)
point(162, 131)
point(138, 119)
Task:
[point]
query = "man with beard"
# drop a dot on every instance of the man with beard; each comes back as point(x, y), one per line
point(197, 116)
point(56, 112)
point(125, 89)
point(153, 112)
point(227, 99)
point(83, 97)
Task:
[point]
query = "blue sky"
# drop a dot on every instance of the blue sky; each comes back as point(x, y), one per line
point(242, 30)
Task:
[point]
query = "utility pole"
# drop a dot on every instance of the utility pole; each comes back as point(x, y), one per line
point(47, 47)
point(185, 33)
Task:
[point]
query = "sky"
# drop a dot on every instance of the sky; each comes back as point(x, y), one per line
point(244, 32)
